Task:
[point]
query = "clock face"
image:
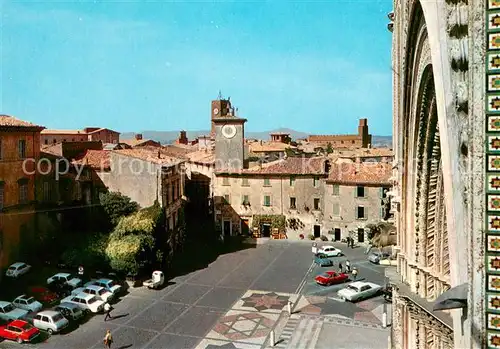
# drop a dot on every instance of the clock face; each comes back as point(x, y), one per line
point(216, 111)
point(229, 131)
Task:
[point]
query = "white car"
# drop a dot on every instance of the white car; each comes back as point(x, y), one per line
point(8, 312)
point(330, 251)
point(108, 284)
point(359, 290)
point(86, 302)
point(50, 321)
point(65, 278)
point(17, 269)
point(98, 291)
point(27, 303)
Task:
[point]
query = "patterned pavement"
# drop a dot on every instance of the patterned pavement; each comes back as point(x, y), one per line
point(249, 322)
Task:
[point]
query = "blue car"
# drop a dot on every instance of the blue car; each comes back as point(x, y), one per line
point(322, 260)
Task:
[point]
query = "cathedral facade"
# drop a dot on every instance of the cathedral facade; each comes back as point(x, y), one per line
point(447, 166)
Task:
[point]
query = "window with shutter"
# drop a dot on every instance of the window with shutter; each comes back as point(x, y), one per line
point(336, 190)
point(267, 200)
point(336, 209)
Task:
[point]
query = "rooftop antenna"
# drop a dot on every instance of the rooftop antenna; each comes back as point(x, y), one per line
point(220, 95)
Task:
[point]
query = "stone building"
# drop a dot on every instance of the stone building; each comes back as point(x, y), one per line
point(94, 134)
point(360, 140)
point(355, 196)
point(147, 175)
point(292, 188)
point(446, 291)
point(19, 155)
point(313, 195)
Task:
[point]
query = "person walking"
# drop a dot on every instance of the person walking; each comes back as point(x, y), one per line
point(347, 266)
point(107, 309)
point(108, 339)
point(340, 267)
point(354, 273)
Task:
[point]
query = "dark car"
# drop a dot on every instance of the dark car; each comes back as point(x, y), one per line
point(60, 288)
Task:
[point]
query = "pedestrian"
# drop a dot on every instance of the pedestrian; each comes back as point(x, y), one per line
point(107, 309)
point(354, 273)
point(340, 267)
point(108, 339)
point(347, 266)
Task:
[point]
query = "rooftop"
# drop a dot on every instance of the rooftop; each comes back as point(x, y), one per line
point(270, 146)
point(134, 142)
point(152, 154)
point(288, 166)
point(95, 159)
point(361, 173)
point(10, 121)
point(364, 152)
point(202, 156)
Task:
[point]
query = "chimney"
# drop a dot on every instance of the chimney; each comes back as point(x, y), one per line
point(138, 136)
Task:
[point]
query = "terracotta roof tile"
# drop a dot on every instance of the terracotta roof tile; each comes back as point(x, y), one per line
point(256, 147)
point(153, 154)
point(360, 173)
point(288, 166)
point(64, 132)
point(10, 121)
point(326, 138)
point(95, 159)
point(136, 142)
point(202, 156)
point(365, 152)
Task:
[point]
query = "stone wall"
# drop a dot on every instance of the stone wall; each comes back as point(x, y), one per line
point(346, 220)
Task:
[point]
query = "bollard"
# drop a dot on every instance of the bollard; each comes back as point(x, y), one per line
point(272, 342)
point(384, 320)
point(289, 307)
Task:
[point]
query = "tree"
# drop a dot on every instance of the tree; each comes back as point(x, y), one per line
point(329, 148)
point(133, 244)
point(116, 206)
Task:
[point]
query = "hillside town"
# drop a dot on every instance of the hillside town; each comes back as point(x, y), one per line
point(225, 240)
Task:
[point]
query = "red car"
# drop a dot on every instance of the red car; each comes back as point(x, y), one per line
point(20, 331)
point(331, 278)
point(43, 295)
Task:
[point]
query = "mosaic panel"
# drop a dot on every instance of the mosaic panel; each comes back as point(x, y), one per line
point(493, 303)
point(493, 264)
point(493, 182)
point(493, 4)
point(494, 21)
point(493, 62)
point(493, 242)
point(492, 147)
point(493, 105)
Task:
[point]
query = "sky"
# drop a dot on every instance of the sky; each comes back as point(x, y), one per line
point(312, 66)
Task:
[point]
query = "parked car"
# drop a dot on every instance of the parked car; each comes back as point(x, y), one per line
point(359, 290)
point(19, 331)
point(43, 295)
point(108, 284)
point(48, 320)
point(331, 278)
point(98, 291)
point(27, 303)
point(87, 302)
point(17, 269)
point(66, 278)
point(376, 256)
point(330, 251)
point(322, 260)
point(9, 312)
point(60, 288)
point(70, 311)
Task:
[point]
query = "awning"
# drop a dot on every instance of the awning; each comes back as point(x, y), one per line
point(454, 298)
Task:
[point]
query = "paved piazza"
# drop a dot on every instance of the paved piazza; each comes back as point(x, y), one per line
point(236, 302)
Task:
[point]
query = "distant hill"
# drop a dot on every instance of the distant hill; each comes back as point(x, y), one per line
point(167, 137)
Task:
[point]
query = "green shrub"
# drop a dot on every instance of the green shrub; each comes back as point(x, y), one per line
point(323, 238)
point(310, 237)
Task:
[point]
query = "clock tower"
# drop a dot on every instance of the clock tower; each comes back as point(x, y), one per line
point(221, 108)
point(229, 142)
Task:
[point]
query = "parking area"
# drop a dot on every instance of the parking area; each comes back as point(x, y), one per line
point(180, 314)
